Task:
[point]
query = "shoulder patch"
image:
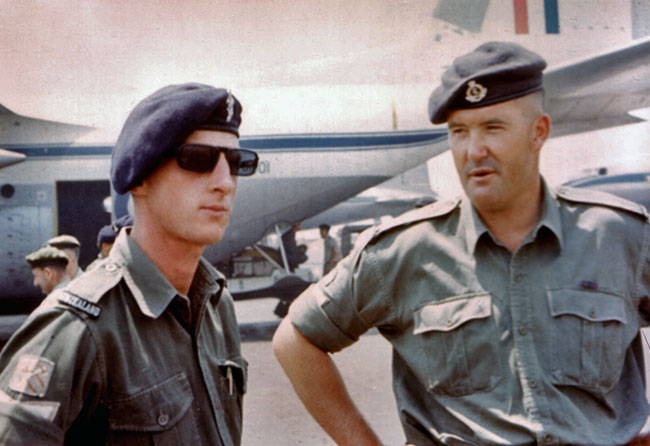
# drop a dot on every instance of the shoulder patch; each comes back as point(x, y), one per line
point(32, 375)
point(433, 210)
point(600, 198)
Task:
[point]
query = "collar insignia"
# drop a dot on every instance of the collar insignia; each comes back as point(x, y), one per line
point(475, 92)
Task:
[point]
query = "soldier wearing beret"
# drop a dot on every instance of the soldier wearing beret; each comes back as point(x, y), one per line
point(49, 268)
point(71, 246)
point(105, 239)
point(144, 348)
point(514, 312)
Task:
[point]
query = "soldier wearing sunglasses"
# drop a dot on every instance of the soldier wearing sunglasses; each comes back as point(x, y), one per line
point(144, 348)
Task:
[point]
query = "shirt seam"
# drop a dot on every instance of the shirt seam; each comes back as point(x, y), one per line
point(383, 288)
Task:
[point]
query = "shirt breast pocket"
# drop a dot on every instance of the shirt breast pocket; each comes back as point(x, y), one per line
point(159, 415)
point(232, 387)
point(588, 336)
point(458, 341)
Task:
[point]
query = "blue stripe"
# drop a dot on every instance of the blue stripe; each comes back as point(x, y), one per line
point(552, 15)
point(316, 141)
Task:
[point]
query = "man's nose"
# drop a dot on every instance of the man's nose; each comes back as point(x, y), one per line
point(221, 177)
point(477, 148)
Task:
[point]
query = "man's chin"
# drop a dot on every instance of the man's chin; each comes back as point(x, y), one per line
point(484, 200)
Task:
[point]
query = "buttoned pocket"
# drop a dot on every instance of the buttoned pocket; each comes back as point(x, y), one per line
point(159, 415)
point(587, 332)
point(458, 337)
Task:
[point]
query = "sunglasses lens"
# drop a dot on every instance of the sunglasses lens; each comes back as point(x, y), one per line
point(242, 162)
point(203, 158)
point(197, 158)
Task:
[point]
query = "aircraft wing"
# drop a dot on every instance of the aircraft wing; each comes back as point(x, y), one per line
point(18, 129)
point(599, 92)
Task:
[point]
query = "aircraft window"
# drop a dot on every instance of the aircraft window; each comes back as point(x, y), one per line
point(7, 190)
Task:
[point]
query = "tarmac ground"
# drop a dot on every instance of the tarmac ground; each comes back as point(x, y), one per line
point(273, 414)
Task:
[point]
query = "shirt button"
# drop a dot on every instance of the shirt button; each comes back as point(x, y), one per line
point(532, 383)
point(523, 330)
point(163, 419)
point(548, 438)
point(449, 322)
point(592, 314)
point(111, 267)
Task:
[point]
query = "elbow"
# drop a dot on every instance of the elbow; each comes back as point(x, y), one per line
point(282, 339)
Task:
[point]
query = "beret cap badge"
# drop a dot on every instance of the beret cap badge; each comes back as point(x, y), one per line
point(230, 104)
point(475, 92)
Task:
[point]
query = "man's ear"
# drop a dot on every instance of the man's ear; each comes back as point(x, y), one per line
point(49, 272)
point(139, 189)
point(541, 130)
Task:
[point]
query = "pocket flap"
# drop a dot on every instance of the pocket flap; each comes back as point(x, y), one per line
point(589, 305)
point(449, 315)
point(157, 408)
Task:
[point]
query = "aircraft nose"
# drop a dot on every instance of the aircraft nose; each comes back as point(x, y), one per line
point(8, 157)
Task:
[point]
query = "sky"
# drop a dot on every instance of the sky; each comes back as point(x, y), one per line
point(297, 66)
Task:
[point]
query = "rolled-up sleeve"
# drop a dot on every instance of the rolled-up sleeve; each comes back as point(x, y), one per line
point(344, 304)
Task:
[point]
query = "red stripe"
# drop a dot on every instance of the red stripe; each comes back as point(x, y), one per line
point(521, 16)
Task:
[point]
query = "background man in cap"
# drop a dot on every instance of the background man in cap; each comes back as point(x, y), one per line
point(106, 238)
point(330, 249)
point(514, 313)
point(72, 248)
point(49, 268)
point(144, 348)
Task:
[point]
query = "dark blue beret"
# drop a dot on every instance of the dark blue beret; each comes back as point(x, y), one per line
point(162, 121)
point(124, 220)
point(494, 72)
point(106, 234)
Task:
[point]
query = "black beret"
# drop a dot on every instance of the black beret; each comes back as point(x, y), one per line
point(494, 72)
point(106, 234)
point(162, 121)
point(47, 256)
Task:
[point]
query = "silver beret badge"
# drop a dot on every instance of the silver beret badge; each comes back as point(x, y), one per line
point(230, 104)
point(475, 92)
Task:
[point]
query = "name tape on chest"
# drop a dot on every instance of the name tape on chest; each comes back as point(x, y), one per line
point(80, 304)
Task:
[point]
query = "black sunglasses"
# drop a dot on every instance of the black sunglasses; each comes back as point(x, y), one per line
point(203, 158)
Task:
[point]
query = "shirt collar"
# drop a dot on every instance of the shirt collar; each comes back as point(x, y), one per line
point(150, 288)
point(475, 228)
point(61, 284)
point(550, 215)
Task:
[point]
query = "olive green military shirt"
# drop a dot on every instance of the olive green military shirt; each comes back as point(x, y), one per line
point(541, 346)
point(119, 357)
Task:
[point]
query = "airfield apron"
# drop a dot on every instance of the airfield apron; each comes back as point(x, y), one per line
point(118, 357)
point(540, 346)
